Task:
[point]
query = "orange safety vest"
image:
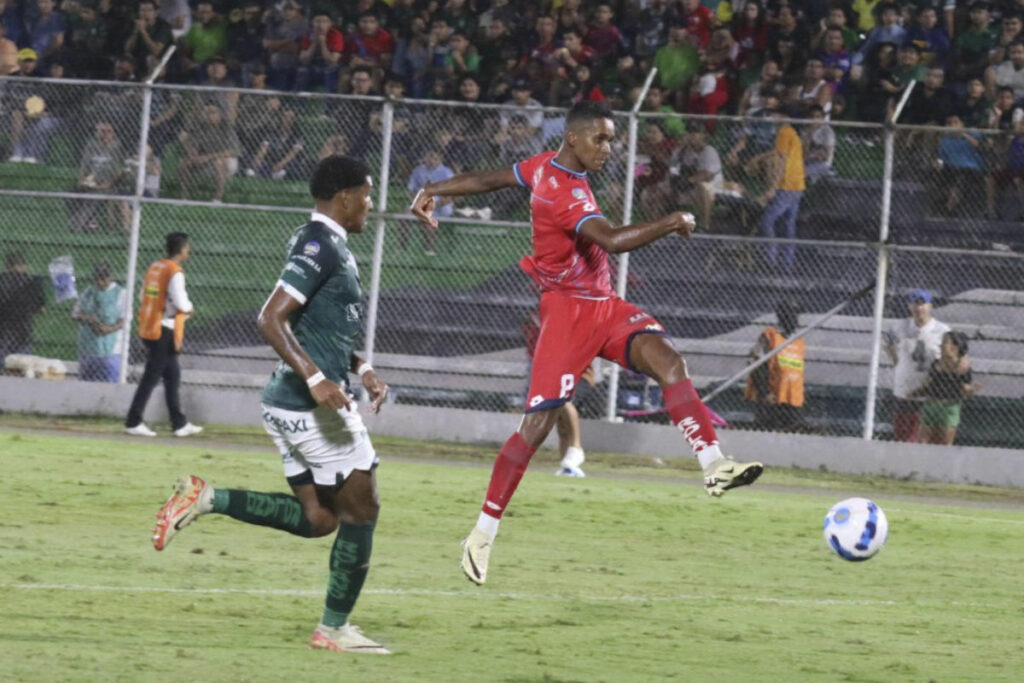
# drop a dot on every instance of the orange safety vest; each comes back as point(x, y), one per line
point(785, 371)
point(154, 298)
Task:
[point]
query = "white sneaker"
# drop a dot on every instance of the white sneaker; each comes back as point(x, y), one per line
point(249, 173)
point(476, 552)
point(15, 159)
point(564, 471)
point(188, 430)
point(465, 212)
point(485, 213)
point(347, 638)
point(139, 430)
point(30, 160)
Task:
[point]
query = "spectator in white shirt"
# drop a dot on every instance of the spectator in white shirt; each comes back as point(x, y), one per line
point(912, 344)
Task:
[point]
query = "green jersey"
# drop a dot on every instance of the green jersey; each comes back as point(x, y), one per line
point(321, 274)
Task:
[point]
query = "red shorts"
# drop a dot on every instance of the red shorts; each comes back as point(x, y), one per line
point(572, 333)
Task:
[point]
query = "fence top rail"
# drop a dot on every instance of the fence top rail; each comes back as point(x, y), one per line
point(752, 119)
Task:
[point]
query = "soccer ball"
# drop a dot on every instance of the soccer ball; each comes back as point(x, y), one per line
point(856, 529)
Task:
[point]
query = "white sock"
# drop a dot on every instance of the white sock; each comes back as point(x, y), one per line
point(708, 455)
point(487, 524)
point(573, 457)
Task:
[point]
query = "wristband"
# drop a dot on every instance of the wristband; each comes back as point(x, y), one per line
point(315, 379)
point(364, 368)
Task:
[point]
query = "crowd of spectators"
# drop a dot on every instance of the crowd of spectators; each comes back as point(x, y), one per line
point(848, 57)
point(817, 59)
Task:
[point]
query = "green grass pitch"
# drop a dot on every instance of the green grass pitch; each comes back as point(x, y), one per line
point(629, 575)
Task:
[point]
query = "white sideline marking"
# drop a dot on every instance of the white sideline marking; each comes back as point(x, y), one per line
point(536, 597)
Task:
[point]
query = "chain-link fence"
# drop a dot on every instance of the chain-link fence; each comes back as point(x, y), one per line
point(779, 246)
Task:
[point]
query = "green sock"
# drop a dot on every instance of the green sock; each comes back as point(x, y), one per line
point(277, 510)
point(350, 561)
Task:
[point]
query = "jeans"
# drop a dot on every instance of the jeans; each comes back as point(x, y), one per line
point(99, 368)
point(162, 363)
point(311, 73)
point(785, 205)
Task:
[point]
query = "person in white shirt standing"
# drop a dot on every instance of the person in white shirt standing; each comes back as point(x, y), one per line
point(162, 313)
point(912, 344)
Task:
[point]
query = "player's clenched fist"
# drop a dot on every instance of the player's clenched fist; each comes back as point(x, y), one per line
point(329, 395)
point(682, 222)
point(423, 208)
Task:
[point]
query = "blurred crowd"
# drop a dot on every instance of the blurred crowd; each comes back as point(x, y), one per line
point(850, 58)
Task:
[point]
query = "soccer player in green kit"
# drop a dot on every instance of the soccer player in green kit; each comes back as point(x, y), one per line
point(311, 320)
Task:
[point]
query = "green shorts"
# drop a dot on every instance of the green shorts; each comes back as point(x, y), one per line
point(936, 414)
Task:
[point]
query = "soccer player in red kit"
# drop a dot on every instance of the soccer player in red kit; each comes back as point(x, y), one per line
point(581, 317)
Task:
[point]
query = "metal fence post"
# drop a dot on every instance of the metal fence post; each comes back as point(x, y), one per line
point(387, 125)
point(627, 217)
point(133, 240)
point(883, 269)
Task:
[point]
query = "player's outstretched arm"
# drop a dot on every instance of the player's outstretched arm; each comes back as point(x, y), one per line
point(457, 186)
point(630, 237)
point(274, 326)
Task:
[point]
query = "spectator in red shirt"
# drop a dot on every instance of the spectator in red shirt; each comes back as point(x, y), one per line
point(320, 53)
point(370, 46)
point(605, 38)
point(698, 20)
point(751, 33)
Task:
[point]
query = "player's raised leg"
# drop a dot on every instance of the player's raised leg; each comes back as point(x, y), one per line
point(654, 356)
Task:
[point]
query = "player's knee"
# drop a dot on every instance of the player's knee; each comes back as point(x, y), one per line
point(322, 523)
point(364, 513)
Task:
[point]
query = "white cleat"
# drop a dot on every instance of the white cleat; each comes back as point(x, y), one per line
point(725, 473)
point(139, 430)
point(564, 471)
point(476, 552)
point(347, 638)
point(188, 430)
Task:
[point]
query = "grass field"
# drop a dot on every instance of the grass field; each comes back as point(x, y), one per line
point(629, 575)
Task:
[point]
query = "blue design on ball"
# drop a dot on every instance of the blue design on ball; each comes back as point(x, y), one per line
point(870, 528)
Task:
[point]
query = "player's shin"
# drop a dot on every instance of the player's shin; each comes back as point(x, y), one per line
point(508, 471)
point(277, 510)
point(349, 564)
point(691, 418)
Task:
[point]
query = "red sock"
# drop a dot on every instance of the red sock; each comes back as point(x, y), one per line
point(512, 460)
point(689, 415)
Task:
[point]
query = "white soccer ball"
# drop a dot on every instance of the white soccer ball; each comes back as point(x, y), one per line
point(856, 529)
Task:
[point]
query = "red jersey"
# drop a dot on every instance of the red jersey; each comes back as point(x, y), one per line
point(370, 48)
point(699, 24)
point(561, 201)
point(335, 40)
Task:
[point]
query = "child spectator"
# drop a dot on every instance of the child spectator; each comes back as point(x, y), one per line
point(889, 31)
point(371, 46)
point(320, 52)
point(463, 60)
point(100, 316)
point(573, 53)
point(672, 124)
point(1011, 31)
point(836, 20)
point(819, 142)
point(949, 382)
point(960, 165)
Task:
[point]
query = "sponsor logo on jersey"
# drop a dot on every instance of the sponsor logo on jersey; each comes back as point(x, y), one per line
point(311, 248)
point(655, 326)
point(308, 261)
point(637, 317)
point(579, 193)
point(552, 182)
point(536, 401)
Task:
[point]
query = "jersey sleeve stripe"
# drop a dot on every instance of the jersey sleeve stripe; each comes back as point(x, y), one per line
point(587, 218)
point(292, 292)
point(519, 176)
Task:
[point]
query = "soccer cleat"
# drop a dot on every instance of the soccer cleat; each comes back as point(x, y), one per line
point(476, 551)
point(192, 497)
point(347, 638)
point(564, 471)
point(188, 430)
point(725, 473)
point(139, 430)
